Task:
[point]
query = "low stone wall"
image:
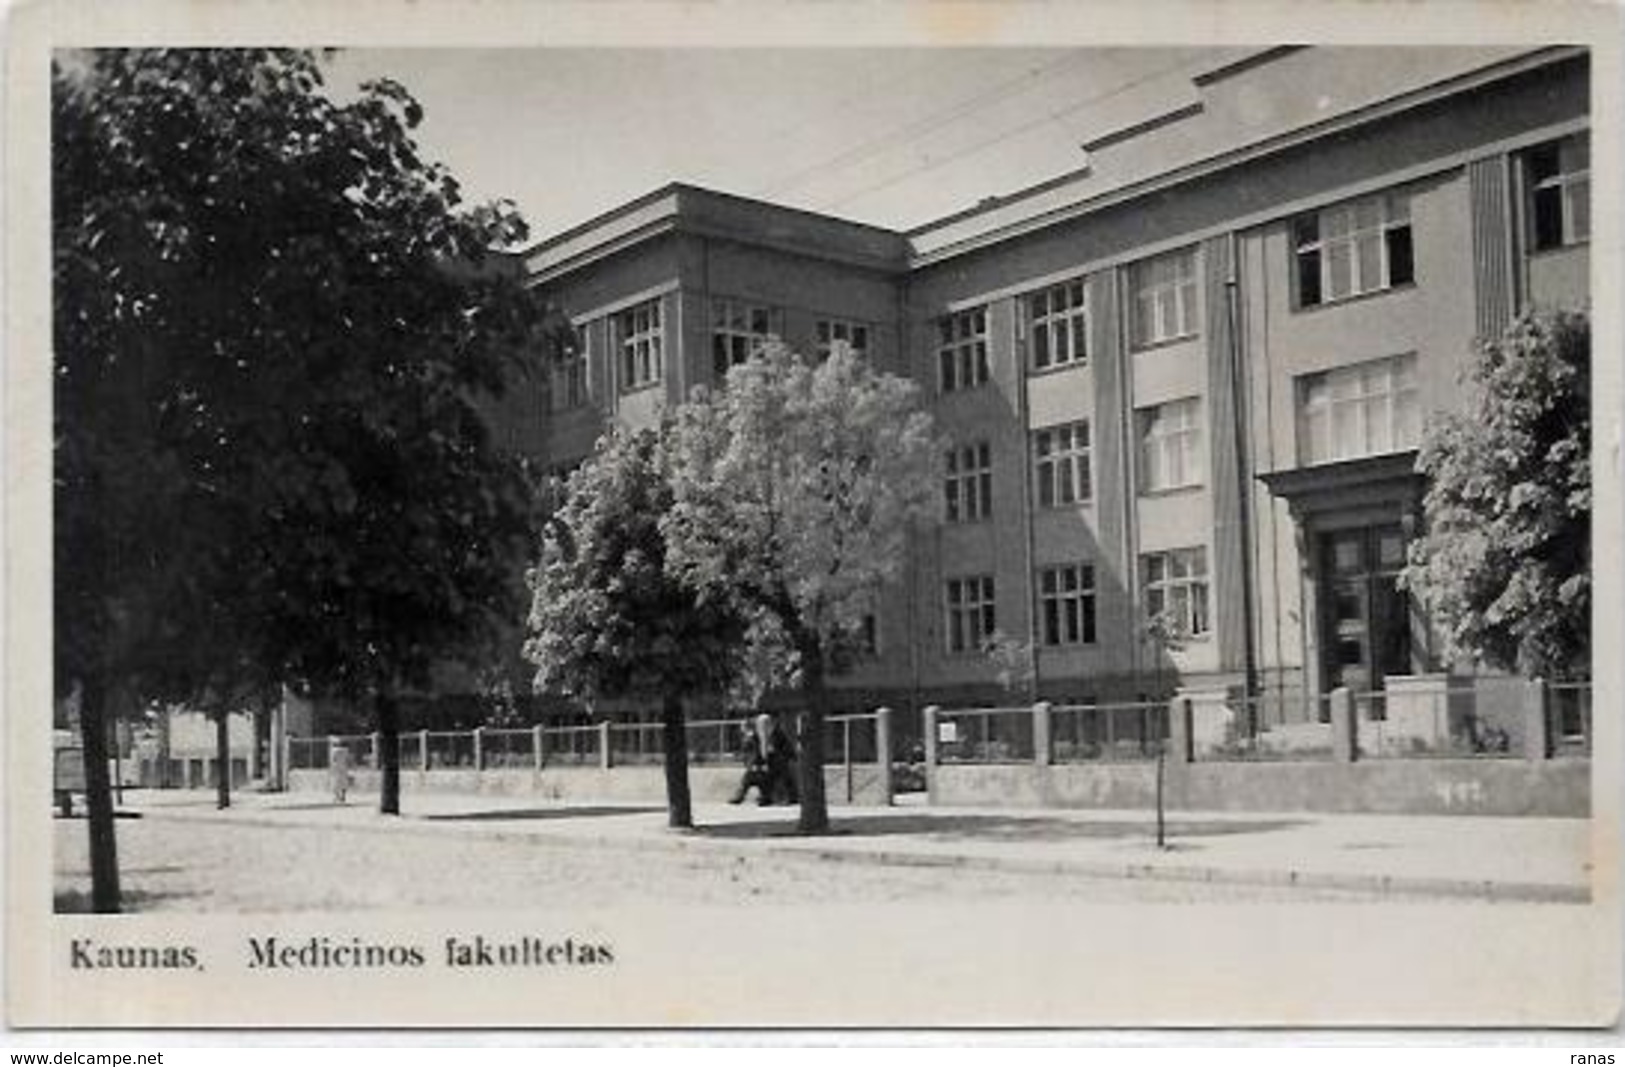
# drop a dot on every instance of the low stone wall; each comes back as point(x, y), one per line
point(1384, 787)
point(708, 783)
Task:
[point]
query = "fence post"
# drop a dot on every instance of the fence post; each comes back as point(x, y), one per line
point(536, 751)
point(1042, 752)
point(373, 759)
point(332, 747)
point(883, 753)
point(479, 748)
point(605, 761)
point(928, 717)
point(1537, 723)
point(423, 751)
point(1345, 725)
point(281, 772)
point(1180, 747)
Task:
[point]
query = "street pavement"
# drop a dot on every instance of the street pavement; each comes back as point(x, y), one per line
point(1485, 858)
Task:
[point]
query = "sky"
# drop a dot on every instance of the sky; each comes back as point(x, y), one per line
point(893, 137)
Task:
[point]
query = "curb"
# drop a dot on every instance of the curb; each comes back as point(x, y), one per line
point(1484, 890)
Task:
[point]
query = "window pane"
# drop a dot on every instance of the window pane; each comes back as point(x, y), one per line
point(1401, 269)
point(1041, 346)
point(1368, 249)
point(1577, 195)
point(1339, 279)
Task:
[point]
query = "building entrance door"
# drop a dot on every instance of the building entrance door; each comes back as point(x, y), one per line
point(1365, 616)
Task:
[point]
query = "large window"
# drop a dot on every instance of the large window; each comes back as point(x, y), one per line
point(1060, 325)
point(1363, 410)
point(1171, 455)
point(855, 335)
point(1362, 246)
point(968, 487)
point(1176, 585)
point(1061, 463)
point(962, 350)
point(641, 340)
point(1066, 604)
point(1558, 179)
point(567, 371)
point(737, 330)
point(1162, 293)
point(971, 618)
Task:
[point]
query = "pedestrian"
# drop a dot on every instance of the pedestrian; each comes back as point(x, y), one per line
point(781, 766)
point(755, 760)
point(338, 774)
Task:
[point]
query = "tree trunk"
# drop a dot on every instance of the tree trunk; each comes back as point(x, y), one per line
point(674, 746)
point(814, 817)
point(389, 753)
point(104, 888)
point(222, 758)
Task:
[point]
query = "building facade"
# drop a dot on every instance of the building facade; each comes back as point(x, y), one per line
point(1187, 381)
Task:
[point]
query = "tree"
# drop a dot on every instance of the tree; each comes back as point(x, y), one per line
point(276, 335)
point(794, 490)
point(1503, 565)
point(608, 618)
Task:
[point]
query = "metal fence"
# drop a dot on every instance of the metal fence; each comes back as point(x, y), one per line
point(506, 748)
point(571, 745)
point(714, 740)
point(1279, 724)
point(1449, 721)
point(635, 742)
point(1081, 733)
point(985, 735)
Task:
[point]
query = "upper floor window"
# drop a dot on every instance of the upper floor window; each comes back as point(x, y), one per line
point(1176, 586)
point(1363, 410)
point(968, 488)
point(855, 335)
point(962, 350)
point(1171, 445)
point(1060, 325)
point(737, 330)
point(1359, 247)
point(1061, 463)
point(971, 619)
point(1066, 604)
point(1558, 179)
point(1162, 293)
point(642, 340)
point(567, 372)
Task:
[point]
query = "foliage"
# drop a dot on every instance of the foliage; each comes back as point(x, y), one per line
point(276, 330)
point(1012, 660)
point(1504, 564)
point(794, 490)
point(607, 616)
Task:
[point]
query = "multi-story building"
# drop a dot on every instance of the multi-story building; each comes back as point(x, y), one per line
point(1188, 379)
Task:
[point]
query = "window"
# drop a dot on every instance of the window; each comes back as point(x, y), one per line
point(1558, 177)
point(738, 329)
point(1164, 298)
point(1176, 584)
point(1171, 446)
point(567, 372)
point(834, 331)
point(962, 350)
point(1061, 462)
point(1060, 325)
point(641, 339)
point(968, 489)
point(1066, 604)
point(1363, 410)
point(1359, 247)
point(970, 613)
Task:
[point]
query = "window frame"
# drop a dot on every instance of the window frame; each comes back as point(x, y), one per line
point(969, 616)
point(827, 332)
point(1403, 428)
point(1154, 439)
point(967, 490)
point(1068, 466)
point(1566, 183)
point(1058, 317)
point(734, 334)
point(641, 350)
point(1181, 289)
point(1057, 628)
point(1314, 264)
point(1183, 578)
point(570, 372)
point(963, 361)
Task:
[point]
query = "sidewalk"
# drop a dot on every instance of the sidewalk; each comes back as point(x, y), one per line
point(1528, 859)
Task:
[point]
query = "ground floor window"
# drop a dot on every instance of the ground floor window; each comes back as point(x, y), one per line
point(970, 612)
point(1176, 585)
point(1066, 604)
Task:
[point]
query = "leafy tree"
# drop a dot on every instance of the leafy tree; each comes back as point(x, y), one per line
point(794, 490)
point(276, 332)
point(608, 617)
point(1504, 564)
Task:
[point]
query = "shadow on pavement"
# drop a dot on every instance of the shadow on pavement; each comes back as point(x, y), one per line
point(526, 814)
point(77, 901)
point(1003, 828)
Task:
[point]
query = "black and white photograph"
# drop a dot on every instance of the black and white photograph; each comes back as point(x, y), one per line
point(948, 527)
